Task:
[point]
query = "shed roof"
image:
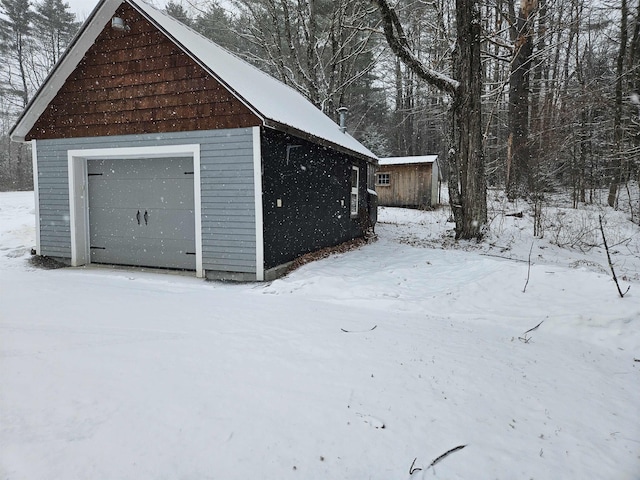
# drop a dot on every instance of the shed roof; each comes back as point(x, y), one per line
point(278, 105)
point(408, 160)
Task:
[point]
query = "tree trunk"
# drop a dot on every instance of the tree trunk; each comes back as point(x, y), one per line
point(519, 154)
point(539, 94)
point(467, 184)
point(616, 167)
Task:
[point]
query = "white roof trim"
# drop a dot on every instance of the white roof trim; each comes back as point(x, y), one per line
point(407, 160)
point(273, 101)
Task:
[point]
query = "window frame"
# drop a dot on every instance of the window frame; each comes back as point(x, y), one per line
point(387, 177)
point(355, 192)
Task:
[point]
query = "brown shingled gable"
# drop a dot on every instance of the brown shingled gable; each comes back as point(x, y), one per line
point(138, 81)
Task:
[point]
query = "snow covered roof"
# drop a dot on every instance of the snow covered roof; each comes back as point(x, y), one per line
point(406, 160)
point(277, 104)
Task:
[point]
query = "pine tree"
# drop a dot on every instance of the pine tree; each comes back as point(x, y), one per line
point(53, 27)
point(15, 40)
point(177, 11)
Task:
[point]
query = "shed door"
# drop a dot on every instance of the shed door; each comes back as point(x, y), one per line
point(141, 212)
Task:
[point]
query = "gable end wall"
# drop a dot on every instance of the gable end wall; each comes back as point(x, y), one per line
point(138, 82)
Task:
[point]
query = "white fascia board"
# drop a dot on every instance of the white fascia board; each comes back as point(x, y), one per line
point(76, 50)
point(407, 160)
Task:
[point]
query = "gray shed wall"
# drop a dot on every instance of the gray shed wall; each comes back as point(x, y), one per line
point(227, 192)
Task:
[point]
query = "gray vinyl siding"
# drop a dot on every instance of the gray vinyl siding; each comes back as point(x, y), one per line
point(227, 192)
point(53, 191)
point(228, 201)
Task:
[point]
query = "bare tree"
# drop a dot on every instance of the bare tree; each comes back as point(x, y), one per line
point(467, 184)
point(320, 47)
point(419, 110)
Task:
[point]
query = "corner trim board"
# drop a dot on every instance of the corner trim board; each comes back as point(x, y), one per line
point(36, 192)
point(257, 186)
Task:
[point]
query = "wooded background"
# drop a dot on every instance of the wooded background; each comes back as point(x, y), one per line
point(560, 99)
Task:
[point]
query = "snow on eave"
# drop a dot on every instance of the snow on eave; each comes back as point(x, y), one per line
point(268, 97)
point(408, 160)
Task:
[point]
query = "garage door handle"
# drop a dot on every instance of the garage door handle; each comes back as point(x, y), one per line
point(146, 218)
point(138, 217)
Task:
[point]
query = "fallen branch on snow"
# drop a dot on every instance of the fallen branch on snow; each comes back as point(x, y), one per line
point(524, 337)
point(524, 290)
point(412, 470)
point(503, 257)
point(359, 331)
point(446, 454)
point(613, 273)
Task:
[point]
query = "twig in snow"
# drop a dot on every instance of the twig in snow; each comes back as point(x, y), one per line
point(500, 256)
point(613, 273)
point(524, 290)
point(359, 331)
point(413, 470)
point(446, 454)
point(532, 329)
point(524, 338)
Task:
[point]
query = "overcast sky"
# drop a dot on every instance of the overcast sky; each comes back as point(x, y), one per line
point(82, 8)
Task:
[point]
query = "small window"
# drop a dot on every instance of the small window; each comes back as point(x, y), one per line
point(383, 179)
point(355, 179)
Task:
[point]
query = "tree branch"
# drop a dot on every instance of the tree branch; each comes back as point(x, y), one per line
point(397, 40)
point(613, 272)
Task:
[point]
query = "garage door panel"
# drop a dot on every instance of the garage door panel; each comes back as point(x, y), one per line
point(176, 224)
point(168, 253)
point(141, 168)
point(168, 223)
point(158, 193)
point(141, 212)
point(112, 222)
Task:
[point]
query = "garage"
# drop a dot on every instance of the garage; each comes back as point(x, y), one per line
point(141, 212)
point(154, 147)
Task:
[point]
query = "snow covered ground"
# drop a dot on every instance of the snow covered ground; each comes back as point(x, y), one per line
point(127, 374)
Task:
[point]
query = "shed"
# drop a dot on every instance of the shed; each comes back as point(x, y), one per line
point(409, 181)
point(153, 146)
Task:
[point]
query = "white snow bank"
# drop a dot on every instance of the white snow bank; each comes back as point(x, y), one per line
point(129, 374)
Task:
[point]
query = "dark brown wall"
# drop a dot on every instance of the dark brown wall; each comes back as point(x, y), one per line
point(138, 82)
